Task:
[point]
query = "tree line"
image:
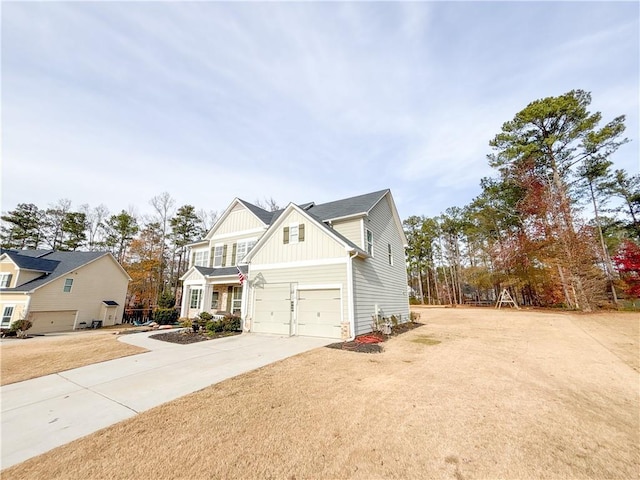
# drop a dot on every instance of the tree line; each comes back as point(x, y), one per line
point(151, 248)
point(556, 225)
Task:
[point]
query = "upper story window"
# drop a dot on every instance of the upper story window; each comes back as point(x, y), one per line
point(68, 284)
point(219, 255)
point(201, 258)
point(294, 233)
point(369, 239)
point(242, 248)
point(5, 280)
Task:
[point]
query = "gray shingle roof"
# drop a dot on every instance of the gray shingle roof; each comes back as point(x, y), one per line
point(261, 213)
point(360, 204)
point(31, 261)
point(63, 263)
point(221, 271)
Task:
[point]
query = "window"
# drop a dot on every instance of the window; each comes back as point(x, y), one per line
point(68, 283)
point(237, 300)
point(196, 295)
point(390, 255)
point(5, 280)
point(242, 248)
point(215, 296)
point(369, 242)
point(201, 258)
point(7, 313)
point(219, 254)
point(294, 233)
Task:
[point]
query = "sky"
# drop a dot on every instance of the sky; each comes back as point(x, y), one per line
point(116, 102)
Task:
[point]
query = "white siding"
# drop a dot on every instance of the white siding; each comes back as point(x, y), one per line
point(317, 244)
point(334, 276)
point(375, 281)
point(239, 219)
point(350, 229)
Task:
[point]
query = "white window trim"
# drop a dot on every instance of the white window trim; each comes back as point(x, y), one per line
point(5, 277)
point(64, 287)
point(248, 244)
point(217, 306)
point(191, 292)
point(204, 258)
point(366, 239)
point(13, 309)
point(215, 249)
point(294, 227)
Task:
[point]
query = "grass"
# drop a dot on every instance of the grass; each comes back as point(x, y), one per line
point(508, 394)
point(39, 356)
point(425, 340)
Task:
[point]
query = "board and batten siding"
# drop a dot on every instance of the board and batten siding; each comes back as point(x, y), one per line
point(375, 281)
point(239, 219)
point(317, 244)
point(100, 280)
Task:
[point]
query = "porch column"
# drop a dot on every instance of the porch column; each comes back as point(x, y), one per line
point(184, 307)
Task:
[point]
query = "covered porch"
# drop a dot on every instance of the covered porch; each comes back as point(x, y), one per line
point(217, 292)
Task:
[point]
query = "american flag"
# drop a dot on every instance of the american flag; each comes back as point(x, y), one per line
point(241, 276)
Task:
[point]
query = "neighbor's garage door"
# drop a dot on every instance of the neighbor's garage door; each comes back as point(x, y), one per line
point(47, 322)
point(319, 313)
point(273, 309)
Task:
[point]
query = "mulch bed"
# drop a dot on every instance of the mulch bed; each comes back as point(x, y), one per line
point(370, 342)
point(186, 337)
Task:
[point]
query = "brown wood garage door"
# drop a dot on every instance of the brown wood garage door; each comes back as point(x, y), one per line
point(49, 322)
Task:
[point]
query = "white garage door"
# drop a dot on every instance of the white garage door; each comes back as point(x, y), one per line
point(48, 322)
point(319, 313)
point(272, 312)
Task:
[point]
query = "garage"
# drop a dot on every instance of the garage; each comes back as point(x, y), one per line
point(49, 322)
point(273, 309)
point(319, 313)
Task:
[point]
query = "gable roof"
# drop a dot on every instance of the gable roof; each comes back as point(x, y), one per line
point(261, 214)
point(348, 244)
point(32, 260)
point(62, 263)
point(348, 207)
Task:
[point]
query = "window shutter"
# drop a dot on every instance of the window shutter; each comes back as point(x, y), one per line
point(213, 252)
point(301, 232)
point(286, 235)
point(233, 254)
point(193, 258)
point(224, 256)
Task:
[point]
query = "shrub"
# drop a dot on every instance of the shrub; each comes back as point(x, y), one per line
point(165, 316)
point(231, 323)
point(206, 316)
point(185, 322)
point(21, 327)
point(166, 300)
point(214, 326)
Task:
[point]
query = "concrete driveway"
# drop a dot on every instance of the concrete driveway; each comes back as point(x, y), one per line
point(46, 412)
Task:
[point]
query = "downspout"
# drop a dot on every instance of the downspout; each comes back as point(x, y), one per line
point(352, 322)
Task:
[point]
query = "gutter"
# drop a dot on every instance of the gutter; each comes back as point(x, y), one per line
point(352, 254)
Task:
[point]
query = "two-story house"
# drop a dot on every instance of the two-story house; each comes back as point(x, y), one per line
point(318, 270)
point(61, 291)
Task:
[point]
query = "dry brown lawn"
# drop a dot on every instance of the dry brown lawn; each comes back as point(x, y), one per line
point(472, 394)
point(39, 356)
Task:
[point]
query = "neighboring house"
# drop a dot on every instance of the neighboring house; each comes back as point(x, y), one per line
point(61, 291)
point(316, 270)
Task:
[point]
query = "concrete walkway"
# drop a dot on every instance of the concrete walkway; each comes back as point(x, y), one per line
point(46, 412)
